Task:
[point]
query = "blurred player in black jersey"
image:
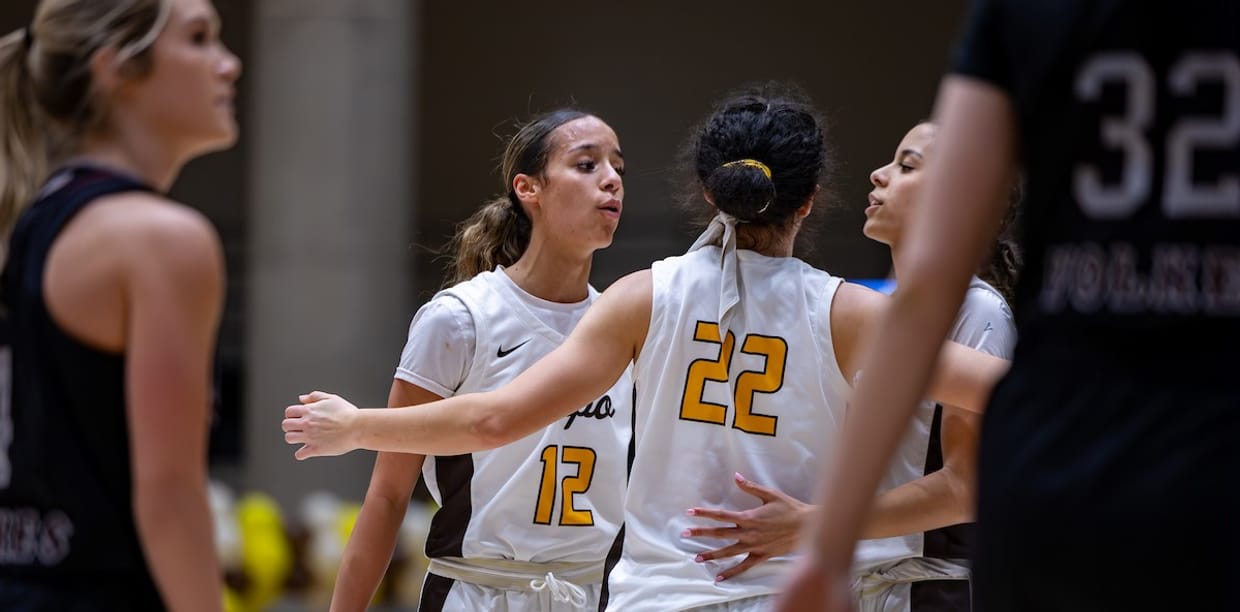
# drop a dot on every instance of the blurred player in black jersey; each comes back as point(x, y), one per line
point(1109, 452)
point(113, 296)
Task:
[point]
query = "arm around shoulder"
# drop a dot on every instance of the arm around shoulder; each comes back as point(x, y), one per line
point(593, 357)
point(608, 338)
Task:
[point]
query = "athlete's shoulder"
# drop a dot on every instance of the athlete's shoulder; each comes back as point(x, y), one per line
point(145, 231)
point(985, 321)
point(481, 280)
point(702, 254)
point(680, 271)
point(448, 313)
point(632, 286)
point(982, 298)
point(815, 272)
point(444, 310)
point(482, 287)
point(856, 301)
point(151, 218)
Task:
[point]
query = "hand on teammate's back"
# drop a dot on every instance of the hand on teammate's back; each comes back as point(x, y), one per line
point(770, 530)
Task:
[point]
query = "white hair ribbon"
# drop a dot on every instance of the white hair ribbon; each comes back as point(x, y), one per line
point(723, 229)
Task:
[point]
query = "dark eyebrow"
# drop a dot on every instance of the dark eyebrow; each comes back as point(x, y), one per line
point(592, 146)
point(210, 21)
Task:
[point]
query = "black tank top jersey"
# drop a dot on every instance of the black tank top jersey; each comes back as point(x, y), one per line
point(66, 516)
point(1108, 453)
point(1129, 115)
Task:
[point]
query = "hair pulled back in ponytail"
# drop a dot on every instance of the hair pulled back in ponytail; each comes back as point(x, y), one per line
point(498, 233)
point(47, 99)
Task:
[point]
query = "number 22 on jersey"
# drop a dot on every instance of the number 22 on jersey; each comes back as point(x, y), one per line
point(749, 383)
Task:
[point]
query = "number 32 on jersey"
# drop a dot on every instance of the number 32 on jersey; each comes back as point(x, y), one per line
point(1182, 197)
point(749, 383)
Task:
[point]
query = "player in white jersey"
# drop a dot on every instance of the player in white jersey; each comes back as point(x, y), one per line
point(741, 360)
point(916, 557)
point(525, 526)
point(919, 563)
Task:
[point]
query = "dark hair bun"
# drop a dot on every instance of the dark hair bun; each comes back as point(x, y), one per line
point(741, 190)
point(766, 129)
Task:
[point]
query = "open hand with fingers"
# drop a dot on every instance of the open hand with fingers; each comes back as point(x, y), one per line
point(769, 530)
point(322, 424)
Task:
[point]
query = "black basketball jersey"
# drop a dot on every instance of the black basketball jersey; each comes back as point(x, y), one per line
point(1108, 449)
point(66, 515)
point(1129, 133)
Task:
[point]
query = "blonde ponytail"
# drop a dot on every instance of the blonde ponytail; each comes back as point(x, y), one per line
point(23, 146)
point(46, 94)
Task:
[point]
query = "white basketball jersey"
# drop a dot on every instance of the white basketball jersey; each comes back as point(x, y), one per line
point(555, 495)
point(985, 323)
point(761, 398)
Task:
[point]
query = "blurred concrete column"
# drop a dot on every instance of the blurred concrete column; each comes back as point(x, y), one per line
point(329, 223)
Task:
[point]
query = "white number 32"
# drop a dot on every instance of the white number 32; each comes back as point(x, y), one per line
point(1181, 196)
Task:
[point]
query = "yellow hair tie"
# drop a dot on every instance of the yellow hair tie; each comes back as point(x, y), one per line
point(752, 163)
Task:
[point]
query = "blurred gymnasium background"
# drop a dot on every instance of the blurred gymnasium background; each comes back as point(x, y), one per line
point(370, 127)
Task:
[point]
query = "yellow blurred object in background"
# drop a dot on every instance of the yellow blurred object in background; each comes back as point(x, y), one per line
point(266, 556)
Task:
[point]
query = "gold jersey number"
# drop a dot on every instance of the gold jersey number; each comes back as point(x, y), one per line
point(579, 483)
point(748, 383)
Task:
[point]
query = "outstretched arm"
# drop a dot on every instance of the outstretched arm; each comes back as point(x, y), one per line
point(606, 340)
point(951, 229)
point(946, 496)
point(936, 500)
point(963, 377)
point(941, 498)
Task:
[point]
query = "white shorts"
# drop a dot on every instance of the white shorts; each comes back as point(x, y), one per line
point(500, 585)
point(467, 597)
point(760, 603)
point(889, 588)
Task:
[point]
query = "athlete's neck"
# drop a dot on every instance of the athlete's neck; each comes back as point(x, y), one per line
point(768, 241)
point(895, 260)
point(144, 160)
point(552, 274)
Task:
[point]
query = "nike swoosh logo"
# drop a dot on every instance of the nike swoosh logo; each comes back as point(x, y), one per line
point(501, 353)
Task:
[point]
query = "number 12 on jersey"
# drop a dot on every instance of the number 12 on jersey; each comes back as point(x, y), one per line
point(552, 456)
point(748, 383)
